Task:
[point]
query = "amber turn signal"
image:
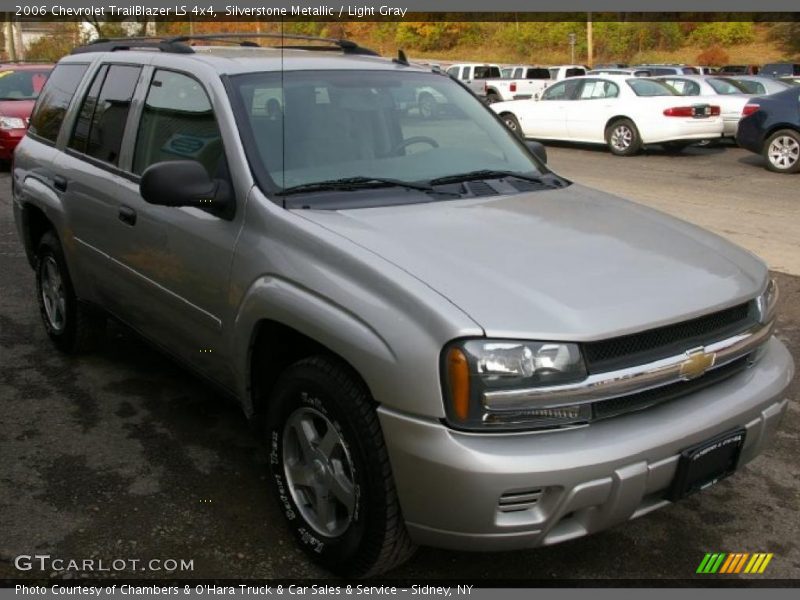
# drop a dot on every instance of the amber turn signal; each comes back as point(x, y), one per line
point(458, 380)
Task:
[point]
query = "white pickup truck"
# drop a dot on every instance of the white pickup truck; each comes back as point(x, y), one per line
point(474, 74)
point(526, 82)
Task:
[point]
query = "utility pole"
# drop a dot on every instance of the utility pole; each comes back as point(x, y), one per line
point(572, 47)
point(589, 44)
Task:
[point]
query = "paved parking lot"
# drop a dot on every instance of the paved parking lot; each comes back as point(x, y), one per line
point(122, 454)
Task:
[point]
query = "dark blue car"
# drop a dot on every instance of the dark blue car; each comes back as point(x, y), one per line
point(771, 127)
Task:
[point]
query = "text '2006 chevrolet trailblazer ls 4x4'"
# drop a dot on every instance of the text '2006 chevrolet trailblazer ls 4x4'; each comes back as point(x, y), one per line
point(447, 343)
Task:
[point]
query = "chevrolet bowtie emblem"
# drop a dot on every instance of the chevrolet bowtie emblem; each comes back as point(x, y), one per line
point(697, 363)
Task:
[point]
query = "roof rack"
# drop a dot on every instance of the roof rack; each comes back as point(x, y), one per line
point(180, 44)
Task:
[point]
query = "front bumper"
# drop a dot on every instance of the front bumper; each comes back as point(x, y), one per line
point(455, 488)
point(9, 139)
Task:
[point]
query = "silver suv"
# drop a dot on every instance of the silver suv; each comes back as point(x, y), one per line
point(447, 343)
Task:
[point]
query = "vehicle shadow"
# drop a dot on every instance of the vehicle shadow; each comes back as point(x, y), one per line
point(711, 149)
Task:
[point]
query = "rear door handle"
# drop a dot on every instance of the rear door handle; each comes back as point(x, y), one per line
point(127, 215)
point(60, 183)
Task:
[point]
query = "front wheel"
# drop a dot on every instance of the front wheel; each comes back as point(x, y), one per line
point(782, 151)
point(330, 470)
point(623, 138)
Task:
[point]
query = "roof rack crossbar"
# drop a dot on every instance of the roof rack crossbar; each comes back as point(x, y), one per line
point(178, 44)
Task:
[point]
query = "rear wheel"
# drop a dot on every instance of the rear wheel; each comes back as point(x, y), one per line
point(492, 97)
point(330, 470)
point(71, 325)
point(782, 151)
point(623, 138)
point(512, 123)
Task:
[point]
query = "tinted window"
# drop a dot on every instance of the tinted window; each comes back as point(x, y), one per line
point(178, 123)
point(487, 73)
point(649, 87)
point(54, 100)
point(576, 72)
point(690, 71)
point(538, 74)
point(104, 112)
point(465, 73)
point(753, 87)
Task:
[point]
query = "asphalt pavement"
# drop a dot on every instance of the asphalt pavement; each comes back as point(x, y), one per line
point(122, 454)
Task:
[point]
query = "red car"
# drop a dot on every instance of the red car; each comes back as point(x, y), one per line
point(20, 85)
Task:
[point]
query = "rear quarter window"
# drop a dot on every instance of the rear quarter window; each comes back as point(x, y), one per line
point(53, 102)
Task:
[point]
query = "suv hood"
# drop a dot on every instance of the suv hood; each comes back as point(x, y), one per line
point(566, 264)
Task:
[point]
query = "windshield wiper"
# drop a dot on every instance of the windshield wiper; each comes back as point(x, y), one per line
point(486, 174)
point(352, 183)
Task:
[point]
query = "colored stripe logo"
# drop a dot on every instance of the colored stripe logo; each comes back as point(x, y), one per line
point(734, 562)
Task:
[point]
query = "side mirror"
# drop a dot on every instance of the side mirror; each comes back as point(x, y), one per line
point(537, 149)
point(183, 183)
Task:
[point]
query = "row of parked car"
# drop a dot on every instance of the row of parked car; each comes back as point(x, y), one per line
point(626, 111)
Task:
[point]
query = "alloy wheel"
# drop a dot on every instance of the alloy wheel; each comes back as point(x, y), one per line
point(319, 471)
point(53, 294)
point(783, 152)
point(621, 137)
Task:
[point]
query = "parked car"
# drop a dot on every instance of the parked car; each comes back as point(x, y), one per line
point(530, 82)
point(20, 85)
point(723, 91)
point(443, 341)
point(473, 75)
point(781, 70)
point(705, 70)
point(669, 69)
point(761, 85)
point(738, 70)
point(770, 126)
point(790, 80)
point(622, 112)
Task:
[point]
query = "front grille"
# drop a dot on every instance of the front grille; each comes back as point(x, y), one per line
point(648, 398)
point(670, 340)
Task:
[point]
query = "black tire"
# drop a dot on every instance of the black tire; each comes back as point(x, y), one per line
point(782, 151)
point(427, 105)
point(513, 124)
point(373, 538)
point(74, 327)
point(622, 138)
point(492, 97)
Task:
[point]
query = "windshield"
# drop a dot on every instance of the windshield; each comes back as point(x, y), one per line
point(650, 87)
point(307, 127)
point(726, 86)
point(22, 85)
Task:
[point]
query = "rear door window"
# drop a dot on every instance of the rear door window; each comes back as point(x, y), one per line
point(101, 122)
point(54, 100)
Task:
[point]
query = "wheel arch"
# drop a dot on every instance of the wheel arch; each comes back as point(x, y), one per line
point(775, 129)
point(616, 118)
point(35, 223)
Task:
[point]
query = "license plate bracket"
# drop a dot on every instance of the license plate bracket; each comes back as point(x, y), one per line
point(705, 464)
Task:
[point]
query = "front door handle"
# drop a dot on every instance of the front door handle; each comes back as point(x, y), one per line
point(127, 215)
point(60, 183)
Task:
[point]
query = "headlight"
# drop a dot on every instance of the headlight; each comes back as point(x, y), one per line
point(474, 367)
point(11, 123)
point(767, 302)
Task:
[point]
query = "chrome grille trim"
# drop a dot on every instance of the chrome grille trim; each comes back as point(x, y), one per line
point(631, 380)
